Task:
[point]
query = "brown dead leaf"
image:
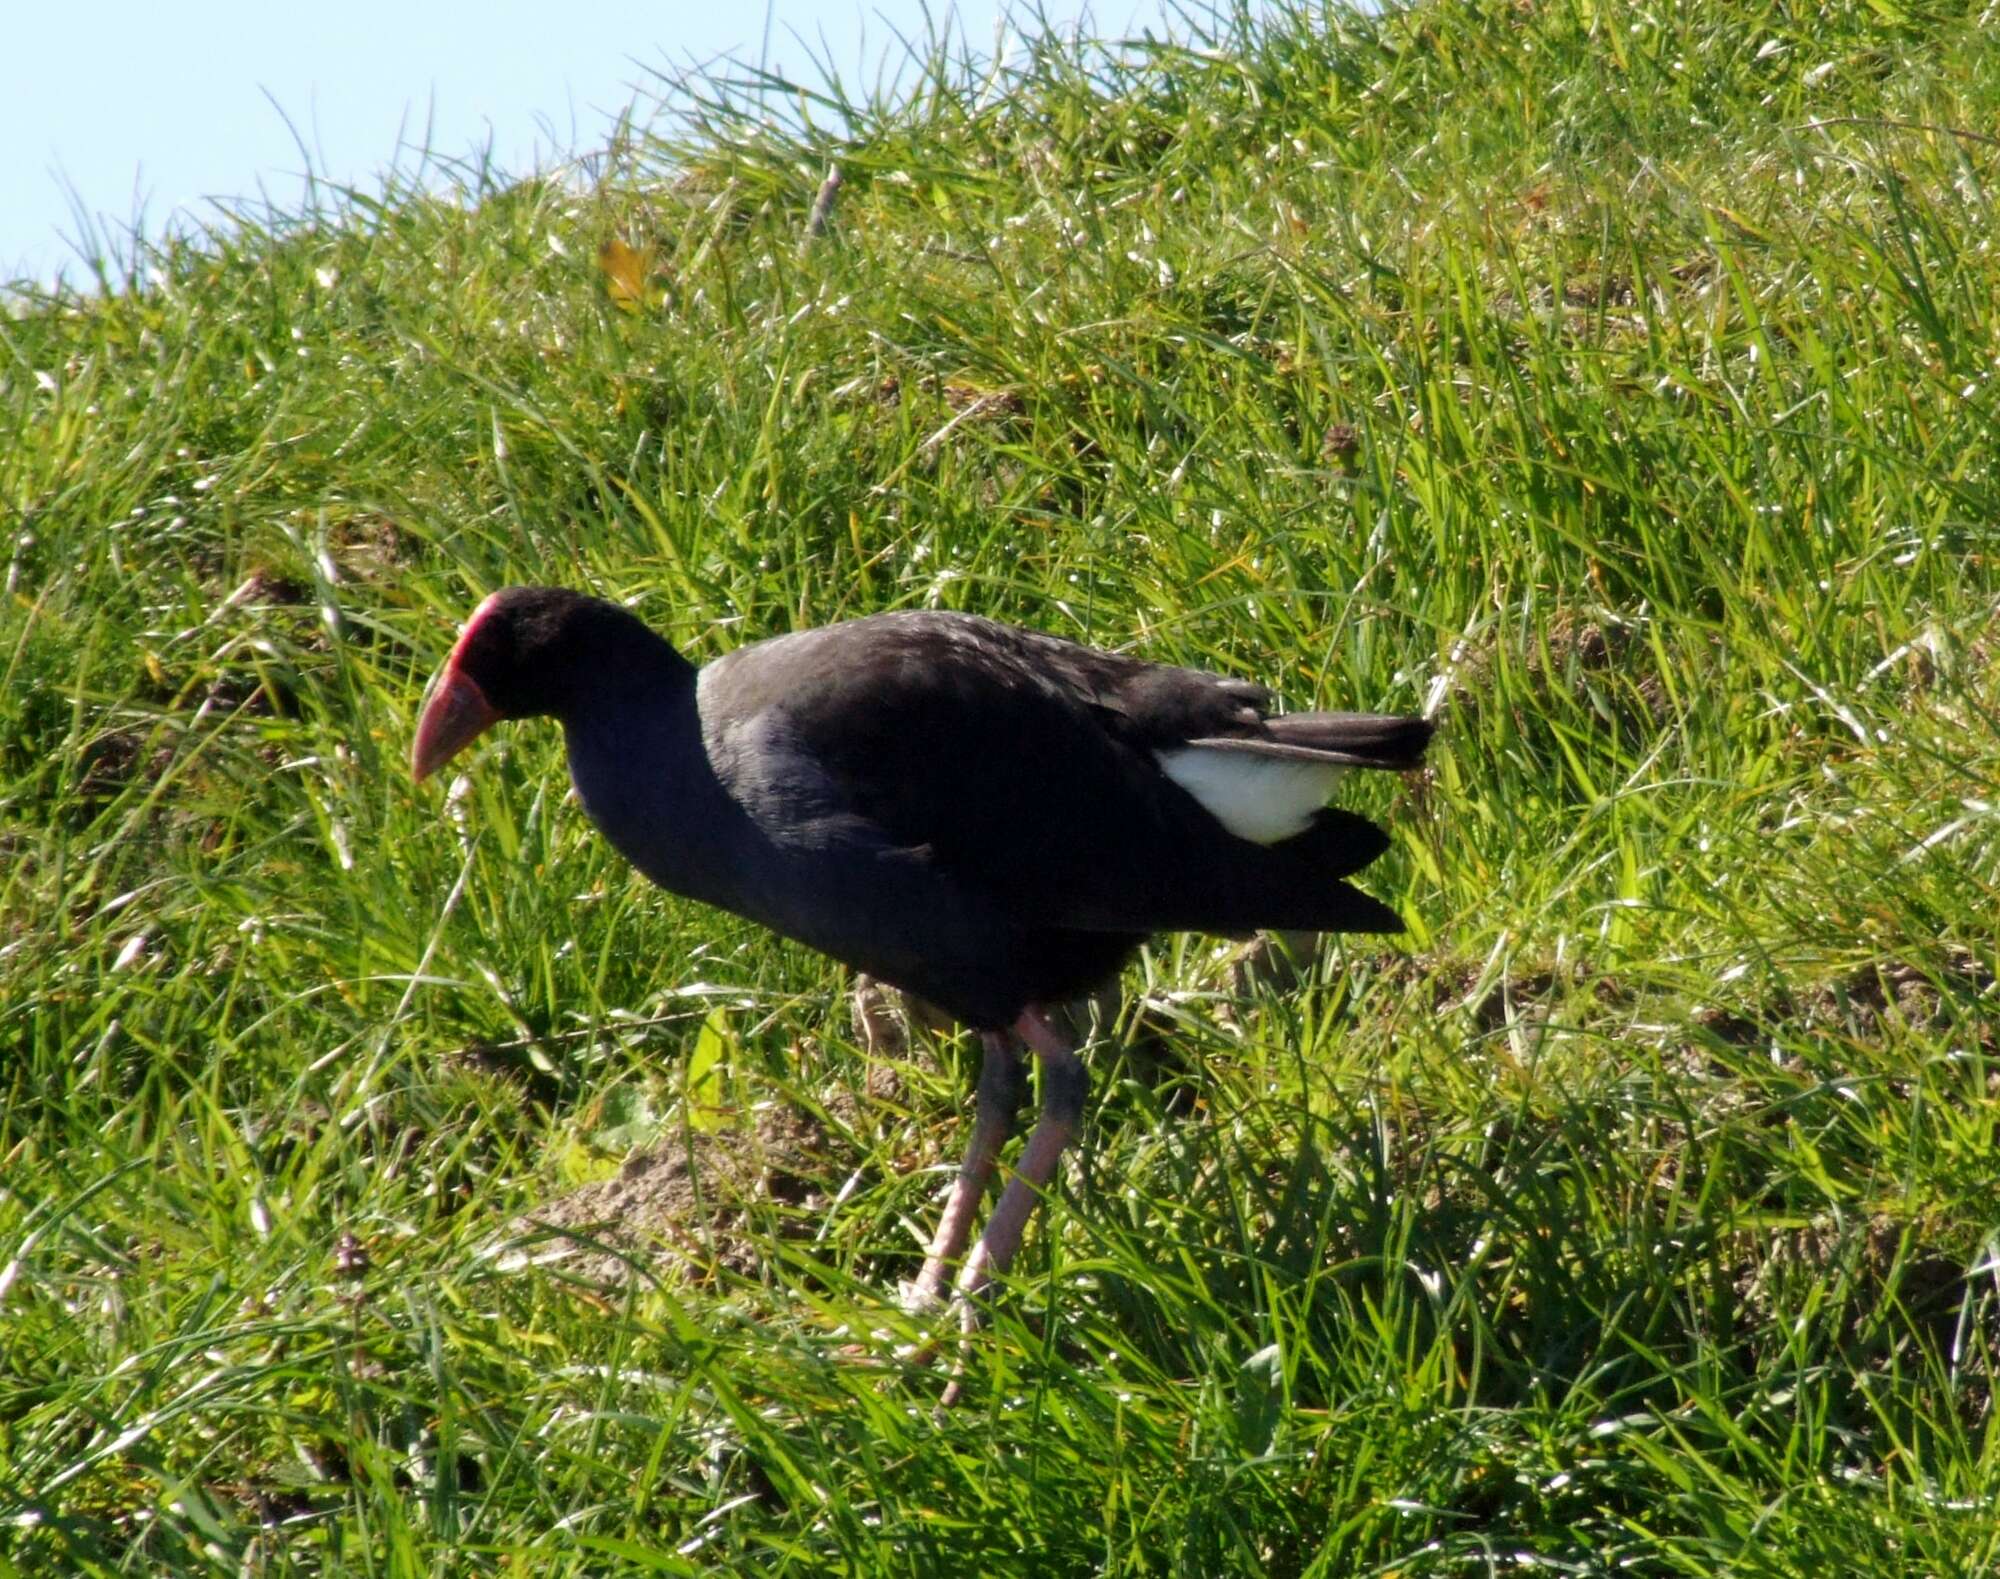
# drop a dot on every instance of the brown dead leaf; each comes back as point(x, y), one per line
point(628, 274)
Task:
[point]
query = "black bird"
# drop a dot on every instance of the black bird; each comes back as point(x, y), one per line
point(990, 818)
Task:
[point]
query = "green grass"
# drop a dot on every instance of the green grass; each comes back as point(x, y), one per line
point(1619, 380)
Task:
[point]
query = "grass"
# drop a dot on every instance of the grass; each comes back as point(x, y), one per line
point(1618, 381)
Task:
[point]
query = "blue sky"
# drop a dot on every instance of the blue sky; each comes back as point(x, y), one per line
point(128, 108)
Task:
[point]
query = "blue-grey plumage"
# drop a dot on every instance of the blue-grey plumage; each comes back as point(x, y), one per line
point(988, 817)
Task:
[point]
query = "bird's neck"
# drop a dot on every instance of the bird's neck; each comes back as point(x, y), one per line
point(641, 770)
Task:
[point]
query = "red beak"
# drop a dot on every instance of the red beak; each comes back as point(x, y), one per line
point(456, 715)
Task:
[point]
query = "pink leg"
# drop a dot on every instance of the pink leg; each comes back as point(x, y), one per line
point(1002, 1080)
point(1064, 1084)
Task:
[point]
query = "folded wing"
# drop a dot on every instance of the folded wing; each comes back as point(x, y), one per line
point(1078, 789)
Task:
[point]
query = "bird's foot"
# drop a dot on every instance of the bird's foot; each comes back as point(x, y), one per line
point(967, 1314)
point(924, 1295)
point(969, 1306)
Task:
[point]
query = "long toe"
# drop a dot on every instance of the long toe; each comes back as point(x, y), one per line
point(922, 1295)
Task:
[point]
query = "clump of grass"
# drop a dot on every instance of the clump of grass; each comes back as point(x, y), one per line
point(1618, 382)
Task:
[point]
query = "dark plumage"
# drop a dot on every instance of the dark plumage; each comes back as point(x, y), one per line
point(990, 818)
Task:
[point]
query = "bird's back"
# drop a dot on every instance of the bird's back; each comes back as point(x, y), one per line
point(1024, 773)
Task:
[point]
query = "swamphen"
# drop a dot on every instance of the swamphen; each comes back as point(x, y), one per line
point(990, 818)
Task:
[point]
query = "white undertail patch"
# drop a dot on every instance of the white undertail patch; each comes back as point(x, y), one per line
point(1259, 798)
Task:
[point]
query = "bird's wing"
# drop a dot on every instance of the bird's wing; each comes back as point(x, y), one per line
point(1025, 768)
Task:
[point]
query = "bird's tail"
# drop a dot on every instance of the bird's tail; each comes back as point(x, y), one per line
point(1388, 741)
point(1296, 885)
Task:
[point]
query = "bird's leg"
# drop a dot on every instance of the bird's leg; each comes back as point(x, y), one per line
point(1003, 1080)
point(1064, 1084)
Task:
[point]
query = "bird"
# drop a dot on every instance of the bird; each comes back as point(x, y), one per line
point(992, 819)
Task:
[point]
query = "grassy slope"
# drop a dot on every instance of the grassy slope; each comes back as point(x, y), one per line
point(1637, 1211)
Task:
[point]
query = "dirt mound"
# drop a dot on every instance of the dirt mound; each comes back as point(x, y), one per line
point(688, 1208)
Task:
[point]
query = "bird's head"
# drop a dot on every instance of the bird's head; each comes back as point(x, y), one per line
point(527, 652)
